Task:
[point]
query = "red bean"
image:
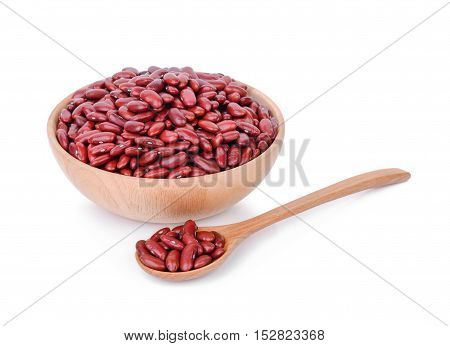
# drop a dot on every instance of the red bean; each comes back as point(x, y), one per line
point(190, 227)
point(176, 117)
point(187, 257)
point(221, 157)
point(208, 166)
point(123, 161)
point(168, 136)
point(111, 165)
point(246, 154)
point(262, 145)
point(119, 149)
point(165, 151)
point(265, 125)
point(157, 173)
point(152, 98)
point(180, 172)
point(134, 126)
point(148, 157)
point(95, 94)
point(230, 136)
point(202, 261)
point(207, 246)
point(174, 161)
point(152, 262)
point(102, 148)
point(156, 128)
point(172, 242)
point(219, 239)
point(100, 160)
point(227, 125)
point(218, 252)
point(188, 97)
point(171, 79)
point(208, 126)
point(187, 135)
point(149, 142)
point(81, 152)
point(156, 237)
point(249, 129)
point(235, 110)
point(234, 156)
point(65, 115)
point(205, 236)
point(156, 249)
point(188, 238)
point(102, 137)
point(109, 127)
point(217, 140)
point(143, 80)
point(63, 138)
point(140, 248)
point(173, 261)
point(137, 106)
point(205, 145)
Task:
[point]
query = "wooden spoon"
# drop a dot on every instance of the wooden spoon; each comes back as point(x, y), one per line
point(235, 233)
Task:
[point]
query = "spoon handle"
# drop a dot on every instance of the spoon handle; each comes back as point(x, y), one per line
point(343, 188)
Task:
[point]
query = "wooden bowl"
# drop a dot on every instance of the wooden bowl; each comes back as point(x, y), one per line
point(167, 200)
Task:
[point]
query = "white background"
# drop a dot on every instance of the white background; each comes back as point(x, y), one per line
point(393, 112)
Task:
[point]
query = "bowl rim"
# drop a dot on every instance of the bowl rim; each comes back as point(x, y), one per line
point(263, 98)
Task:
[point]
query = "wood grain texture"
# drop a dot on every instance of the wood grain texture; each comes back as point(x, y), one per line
point(167, 200)
point(235, 233)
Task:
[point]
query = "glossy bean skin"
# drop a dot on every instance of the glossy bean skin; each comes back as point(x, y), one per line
point(173, 260)
point(188, 135)
point(102, 137)
point(187, 96)
point(177, 117)
point(155, 129)
point(134, 126)
point(190, 227)
point(205, 236)
point(156, 249)
point(180, 172)
point(219, 239)
point(187, 257)
point(63, 138)
point(209, 117)
point(189, 239)
point(174, 161)
point(157, 173)
point(152, 262)
point(102, 148)
point(202, 261)
point(157, 236)
point(148, 157)
point(100, 160)
point(172, 242)
point(140, 248)
point(208, 247)
point(208, 166)
point(218, 252)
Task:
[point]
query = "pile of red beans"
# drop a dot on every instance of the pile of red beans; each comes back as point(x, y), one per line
point(182, 249)
point(165, 123)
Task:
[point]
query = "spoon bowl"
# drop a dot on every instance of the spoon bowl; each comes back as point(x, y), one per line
point(235, 233)
point(231, 242)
